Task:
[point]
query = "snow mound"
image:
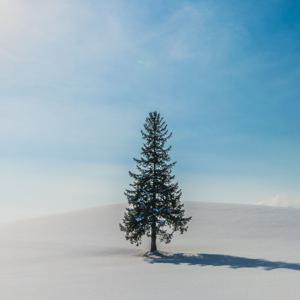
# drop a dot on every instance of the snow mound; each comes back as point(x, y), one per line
point(229, 252)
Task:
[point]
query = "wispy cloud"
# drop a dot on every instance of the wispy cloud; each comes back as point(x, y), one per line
point(281, 201)
point(78, 78)
point(63, 122)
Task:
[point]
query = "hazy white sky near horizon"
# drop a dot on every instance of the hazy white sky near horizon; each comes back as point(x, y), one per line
point(77, 79)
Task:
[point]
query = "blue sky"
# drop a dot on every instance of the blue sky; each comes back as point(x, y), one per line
point(77, 79)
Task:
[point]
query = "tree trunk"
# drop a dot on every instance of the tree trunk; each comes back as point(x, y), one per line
point(153, 239)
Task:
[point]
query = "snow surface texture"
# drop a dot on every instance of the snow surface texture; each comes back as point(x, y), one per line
point(230, 252)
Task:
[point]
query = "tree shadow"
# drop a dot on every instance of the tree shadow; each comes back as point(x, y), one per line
point(219, 260)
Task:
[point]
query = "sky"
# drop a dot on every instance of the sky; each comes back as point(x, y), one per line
point(78, 78)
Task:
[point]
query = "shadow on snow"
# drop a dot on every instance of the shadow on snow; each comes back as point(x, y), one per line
point(219, 260)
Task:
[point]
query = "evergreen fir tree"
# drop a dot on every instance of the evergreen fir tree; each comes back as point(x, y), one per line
point(154, 209)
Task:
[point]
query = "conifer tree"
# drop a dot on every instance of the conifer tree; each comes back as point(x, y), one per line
point(154, 209)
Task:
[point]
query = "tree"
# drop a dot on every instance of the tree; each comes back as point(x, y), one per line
point(154, 209)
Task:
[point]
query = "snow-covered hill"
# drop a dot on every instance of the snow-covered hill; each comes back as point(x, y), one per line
point(230, 252)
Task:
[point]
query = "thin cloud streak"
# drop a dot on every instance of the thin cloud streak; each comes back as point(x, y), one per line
point(77, 80)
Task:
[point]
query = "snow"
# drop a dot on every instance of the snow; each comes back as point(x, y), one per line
point(139, 218)
point(229, 252)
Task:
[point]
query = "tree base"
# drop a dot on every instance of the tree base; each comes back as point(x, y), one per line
point(154, 254)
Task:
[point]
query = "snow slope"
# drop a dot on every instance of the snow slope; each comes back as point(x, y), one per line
point(230, 252)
